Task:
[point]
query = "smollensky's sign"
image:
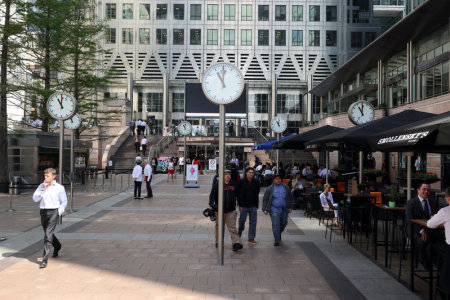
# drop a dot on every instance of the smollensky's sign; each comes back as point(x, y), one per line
point(409, 138)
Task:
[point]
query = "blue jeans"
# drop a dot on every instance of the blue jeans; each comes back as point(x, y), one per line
point(279, 222)
point(252, 213)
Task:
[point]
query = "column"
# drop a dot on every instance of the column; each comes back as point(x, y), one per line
point(165, 99)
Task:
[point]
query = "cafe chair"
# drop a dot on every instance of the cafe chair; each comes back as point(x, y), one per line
point(315, 206)
point(331, 210)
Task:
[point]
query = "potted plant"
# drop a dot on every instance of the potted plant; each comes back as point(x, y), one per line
point(395, 196)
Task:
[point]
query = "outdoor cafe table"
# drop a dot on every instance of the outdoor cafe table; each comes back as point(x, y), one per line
point(386, 209)
point(355, 202)
point(423, 223)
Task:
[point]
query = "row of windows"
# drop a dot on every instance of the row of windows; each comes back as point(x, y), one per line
point(229, 37)
point(229, 12)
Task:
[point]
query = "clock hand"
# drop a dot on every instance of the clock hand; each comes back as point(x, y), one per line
point(221, 80)
point(362, 109)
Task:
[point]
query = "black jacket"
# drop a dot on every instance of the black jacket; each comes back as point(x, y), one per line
point(414, 210)
point(230, 193)
point(248, 193)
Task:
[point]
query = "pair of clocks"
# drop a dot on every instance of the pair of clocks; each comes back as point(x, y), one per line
point(62, 106)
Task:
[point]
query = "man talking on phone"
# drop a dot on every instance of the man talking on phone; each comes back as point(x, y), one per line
point(53, 198)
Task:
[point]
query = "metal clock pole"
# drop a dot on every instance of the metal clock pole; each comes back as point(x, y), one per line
point(71, 170)
point(220, 219)
point(184, 166)
point(278, 155)
point(61, 149)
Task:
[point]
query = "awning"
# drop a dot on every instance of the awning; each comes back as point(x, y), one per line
point(298, 141)
point(429, 135)
point(356, 138)
point(268, 145)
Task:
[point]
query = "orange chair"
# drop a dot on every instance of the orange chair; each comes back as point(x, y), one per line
point(341, 186)
point(332, 190)
point(378, 199)
point(286, 181)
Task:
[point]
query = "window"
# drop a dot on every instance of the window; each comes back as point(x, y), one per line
point(331, 14)
point(263, 12)
point(314, 13)
point(127, 35)
point(331, 38)
point(246, 12)
point(196, 11)
point(111, 36)
point(161, 36)
point(280, 37)
point(213, 12)
point(178, 36)
point(161, 11)
point(178, 11)
point(196, 36)
point(144, 36)
point(261, 103)
point(356, 40)
point(246, 37)
point(280, 12)
point(297, 13)
point(110, 11)
point(155, 102)
point(212, 36)
point(297, 37)
point(369, 37)
point(288, 103)
point(263, 37)
point(178, 102)
point(144, 11)
point(229, 12)
point(314, 38)
point(127, 11)
point(229, 37)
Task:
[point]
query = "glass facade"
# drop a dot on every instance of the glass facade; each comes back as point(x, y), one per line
point(229, 12)
point(229, 37)
point(196, 36)
point(154, 102)
point(178, 102)
point(144, 36)
point(263, 37)
point(127, 11)
point(161, 11)
point(246, 37)
point(297, 13)
point(144, 11)
point(213, 12)
point(212, 36)
point(297, 37)
point(263, 12)
point(196, 12)
point(178, 11)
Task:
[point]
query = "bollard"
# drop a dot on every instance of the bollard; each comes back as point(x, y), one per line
point(10, 204)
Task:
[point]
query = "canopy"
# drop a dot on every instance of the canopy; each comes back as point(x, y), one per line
point(429, 135)
point(298, 141)
point(268, 145)
point(356, 138)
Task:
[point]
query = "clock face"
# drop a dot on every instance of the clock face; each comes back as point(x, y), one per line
point(361, 112)
point(61, 106)
point(278, 125)
point(222, 83)
point(73, 123)
point(184, 128)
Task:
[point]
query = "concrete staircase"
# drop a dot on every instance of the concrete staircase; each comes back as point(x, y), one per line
point(126, 155)
point(171, 151)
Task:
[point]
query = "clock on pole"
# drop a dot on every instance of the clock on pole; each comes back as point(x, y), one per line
point(61, 106)
point(184, 128)
point(361, 112)
point(278, 125)
point(73, 123)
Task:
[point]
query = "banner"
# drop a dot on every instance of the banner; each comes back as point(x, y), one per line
point(191, 172)
point(212, 164)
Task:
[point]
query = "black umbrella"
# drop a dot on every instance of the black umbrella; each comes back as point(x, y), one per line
point(429, 135)
point(298, 141)
point(356, 138)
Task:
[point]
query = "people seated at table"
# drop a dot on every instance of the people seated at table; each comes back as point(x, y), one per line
point(268, 175)
point(443, 217)
point(323, 172)
point(326, 195)
point(422, 207)
point(297, 187)
point(307, 172)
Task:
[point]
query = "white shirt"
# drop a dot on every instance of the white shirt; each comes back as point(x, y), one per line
point(323, 199)
point(170, 167)
point(258, 168)
point(442, 217)
point(323, 173)
point(148, 172)
point(54, 196)
point(144, 141)
point(268, 172)
point(143, 124)
point(139, 123)
point(182, 161)
point(137, 173)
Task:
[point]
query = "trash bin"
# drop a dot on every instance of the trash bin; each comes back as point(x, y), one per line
point(14, 188)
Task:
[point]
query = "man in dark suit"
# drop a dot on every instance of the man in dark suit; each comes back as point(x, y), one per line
point(422, 207)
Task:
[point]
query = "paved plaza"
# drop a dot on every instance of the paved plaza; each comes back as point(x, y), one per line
point(115, 247)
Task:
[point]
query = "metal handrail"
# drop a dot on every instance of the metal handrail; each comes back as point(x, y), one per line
point(162, 144)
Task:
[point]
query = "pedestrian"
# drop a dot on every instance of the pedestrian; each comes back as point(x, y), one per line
point(137, 143)
point(150, 126)
point(132, 126)
point(230, 191)
point(148, 179)
point(230, 128)
point(137, 177)
point(243, 125)
point(277, 202)
point(154, 164)
point(175, 164)
point(53, 202)
point(144, 145)
point(197, 131)
point(181, 162)
point(143, 127)
point(235, 160)
point(138, 125)
point(248, 200)
point(138, 158)
point(170, 169)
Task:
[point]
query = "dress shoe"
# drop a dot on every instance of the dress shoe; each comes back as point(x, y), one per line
point(252, 241)
point(43, 264)
point(276, 244)
point(237, 246)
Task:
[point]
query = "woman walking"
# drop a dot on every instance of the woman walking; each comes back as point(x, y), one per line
point(170, 169)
